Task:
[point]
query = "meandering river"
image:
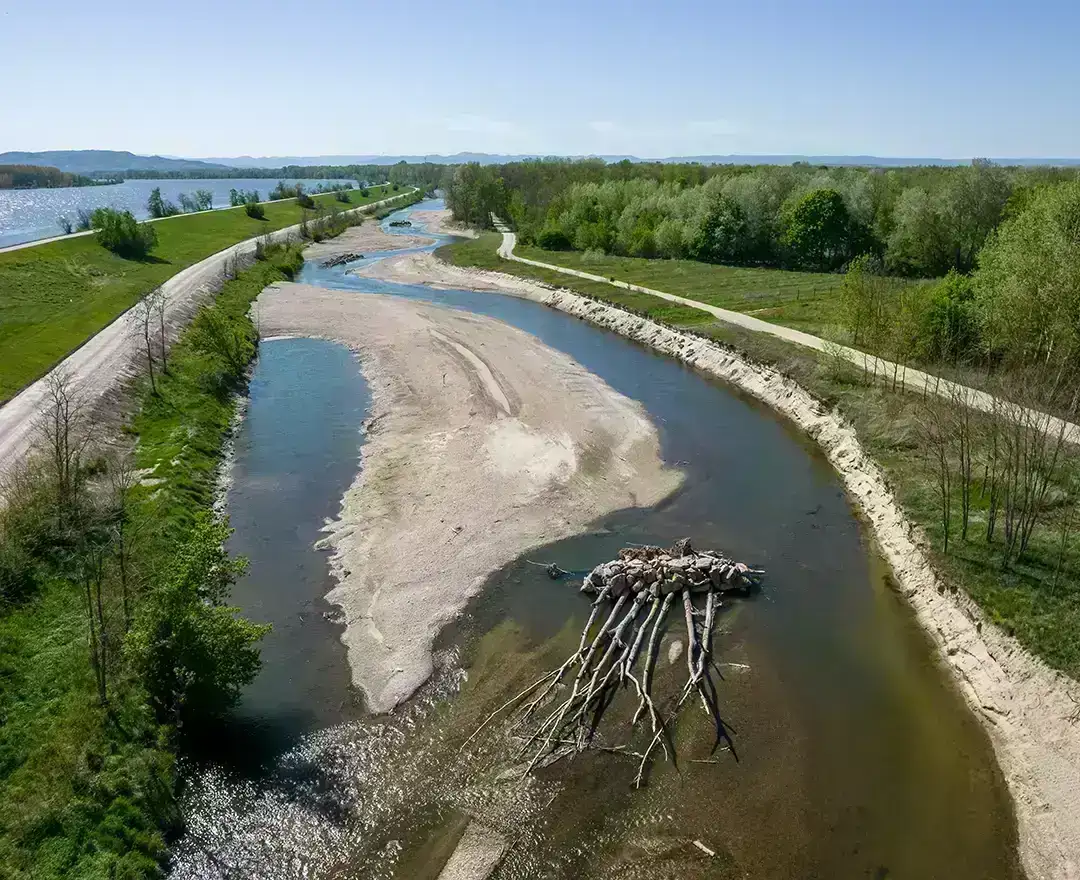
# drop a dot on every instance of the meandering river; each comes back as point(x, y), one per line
point(855, 756)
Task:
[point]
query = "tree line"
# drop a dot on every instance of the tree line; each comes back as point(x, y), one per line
point(919, 221)
point(40, 177)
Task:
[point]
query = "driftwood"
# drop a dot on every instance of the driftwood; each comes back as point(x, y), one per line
point(340, 260)
point(633, 597)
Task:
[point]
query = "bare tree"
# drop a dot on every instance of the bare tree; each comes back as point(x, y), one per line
point(960, 400)
point(160, 303)
point(935, 433)
point(64, 432)
point(122, 526)
point(145, 312)
point(92, 575)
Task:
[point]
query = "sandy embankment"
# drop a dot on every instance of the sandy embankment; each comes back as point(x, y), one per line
point(1031, 712)
point(483, 443)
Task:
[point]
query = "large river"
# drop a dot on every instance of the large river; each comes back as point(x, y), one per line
point(32, 214)
point(855, 756)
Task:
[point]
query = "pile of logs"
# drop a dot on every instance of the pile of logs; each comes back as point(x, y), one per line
point(633, 596)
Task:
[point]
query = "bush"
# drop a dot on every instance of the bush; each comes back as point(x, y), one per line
point(118, 232)
point(254, 210)
point(365, 192)
point(552, 238)
point(83, 220)
point(342, 195)
point(304, 200)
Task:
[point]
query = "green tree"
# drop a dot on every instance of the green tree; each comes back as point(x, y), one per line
point(950, 329)
point(192, 651)
point(1027, 286)
point(159, 207)
point(724, 236)
point(818, 231)
point(119, 232)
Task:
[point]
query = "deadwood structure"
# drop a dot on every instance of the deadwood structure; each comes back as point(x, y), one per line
point(559, 716)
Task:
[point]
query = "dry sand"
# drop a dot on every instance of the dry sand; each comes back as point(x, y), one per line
point(1031, 712)
point(439, 221)
point(483, 443)
point(368, 238)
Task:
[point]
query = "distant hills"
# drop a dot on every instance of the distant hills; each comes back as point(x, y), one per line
point(500, 158)
point(91, 161)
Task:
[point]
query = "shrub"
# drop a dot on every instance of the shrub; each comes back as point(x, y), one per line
point(65, 224)
point(118, 232)
point(365, 192)
point(254, 210)
point(304, 200)
point(552, 238)
point(83, 220)
point(342, 195)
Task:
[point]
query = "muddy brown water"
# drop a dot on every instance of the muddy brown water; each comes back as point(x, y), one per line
point(854, 755)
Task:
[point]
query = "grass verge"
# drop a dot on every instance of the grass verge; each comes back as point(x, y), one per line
point(56, 296)
point(1037, 599)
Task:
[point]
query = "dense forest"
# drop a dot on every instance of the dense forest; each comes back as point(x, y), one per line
point(919, 221)
point(38, 176)
point(1004, 241)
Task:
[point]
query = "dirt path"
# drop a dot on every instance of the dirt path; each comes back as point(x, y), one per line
point(484, 442)
point(107, 360)
point(1031, 712)
point(914, 380)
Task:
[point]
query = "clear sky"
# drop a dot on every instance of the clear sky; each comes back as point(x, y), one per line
point(942, 78)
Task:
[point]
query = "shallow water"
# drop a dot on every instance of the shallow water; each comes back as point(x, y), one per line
point(31, 214)
point(855, 756)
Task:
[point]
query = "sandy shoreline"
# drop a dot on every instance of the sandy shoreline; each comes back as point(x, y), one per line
point(439, 221)
point(485, 443)
point(1028, 709)
point(367, 238)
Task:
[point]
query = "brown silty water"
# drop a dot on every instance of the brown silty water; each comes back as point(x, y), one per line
point(854, 755)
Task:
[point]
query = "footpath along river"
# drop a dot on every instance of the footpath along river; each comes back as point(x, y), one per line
point(855, 756)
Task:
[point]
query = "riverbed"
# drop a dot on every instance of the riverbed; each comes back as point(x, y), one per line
point(854, 756)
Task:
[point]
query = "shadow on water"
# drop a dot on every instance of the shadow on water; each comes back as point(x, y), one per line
point(857, 758)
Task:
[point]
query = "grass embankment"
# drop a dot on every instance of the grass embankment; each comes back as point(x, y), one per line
point(1037, 598)
point(84, 791)
point(56, 296)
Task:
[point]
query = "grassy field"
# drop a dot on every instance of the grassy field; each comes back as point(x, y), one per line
point(1042, 610)
point(803, 300)
point(56, 296)
point(87, 792)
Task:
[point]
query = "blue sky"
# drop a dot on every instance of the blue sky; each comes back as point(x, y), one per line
point(951, 78)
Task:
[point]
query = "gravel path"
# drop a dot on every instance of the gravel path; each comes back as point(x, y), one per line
point(108, 359)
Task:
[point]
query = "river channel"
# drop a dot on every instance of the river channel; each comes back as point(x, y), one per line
point(854, 755)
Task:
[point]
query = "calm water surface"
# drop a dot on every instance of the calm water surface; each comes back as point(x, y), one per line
point(855, 756)
point(30, 214)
